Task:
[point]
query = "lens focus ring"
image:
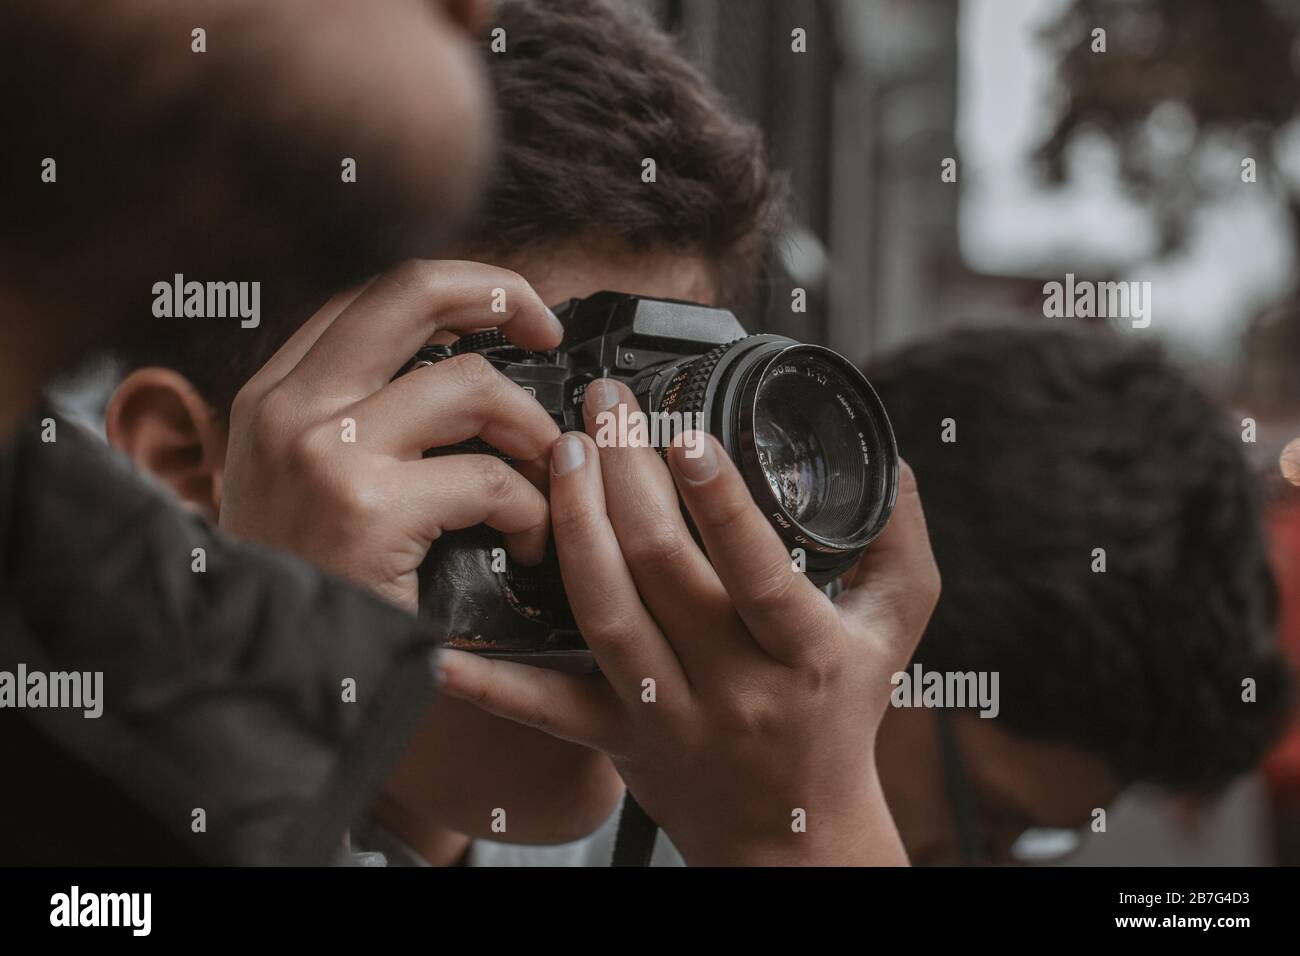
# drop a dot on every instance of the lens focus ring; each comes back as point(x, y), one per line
point(689, 388)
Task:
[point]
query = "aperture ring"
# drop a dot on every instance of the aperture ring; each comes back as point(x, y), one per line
point(480, 341)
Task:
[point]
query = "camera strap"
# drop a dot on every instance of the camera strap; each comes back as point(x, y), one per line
point(635, 842)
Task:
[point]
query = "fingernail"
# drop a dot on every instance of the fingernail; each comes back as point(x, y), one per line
point(601, 396)
point(439, 672)
point(696, 468)
point(555, 321)
point(567, 454)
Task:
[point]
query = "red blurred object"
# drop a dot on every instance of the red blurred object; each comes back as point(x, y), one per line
point(1282, 765)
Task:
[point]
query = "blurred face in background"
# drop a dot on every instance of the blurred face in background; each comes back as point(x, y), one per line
point(966, 791)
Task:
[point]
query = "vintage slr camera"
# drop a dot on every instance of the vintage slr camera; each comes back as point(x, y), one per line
point(804, 426)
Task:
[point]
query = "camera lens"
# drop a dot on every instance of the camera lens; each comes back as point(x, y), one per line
point(806, 430)
point(808, 423)
point(792, 461)
point(808, 447)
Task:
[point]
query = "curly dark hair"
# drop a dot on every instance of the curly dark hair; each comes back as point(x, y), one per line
point(1067, 441)
point(585, 90)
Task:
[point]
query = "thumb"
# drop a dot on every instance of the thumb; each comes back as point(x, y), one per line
point(575, 707)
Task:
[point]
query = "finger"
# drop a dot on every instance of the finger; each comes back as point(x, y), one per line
point(400, 310)
point(451, 401)
point(460, 491)
point(897, 575)
point(295, 347)
point(783, 610)
point(622, 635)
point(536, 471)
point(576, 707)
point(672, 574)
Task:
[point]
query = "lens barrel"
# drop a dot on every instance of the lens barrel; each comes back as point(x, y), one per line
point(807, 431)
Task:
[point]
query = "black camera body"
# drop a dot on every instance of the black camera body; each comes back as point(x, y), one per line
point(802, 424)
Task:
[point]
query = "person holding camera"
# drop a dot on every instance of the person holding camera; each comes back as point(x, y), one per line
point(757, 743)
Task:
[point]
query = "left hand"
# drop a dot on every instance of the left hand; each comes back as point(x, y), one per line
point(767, 695)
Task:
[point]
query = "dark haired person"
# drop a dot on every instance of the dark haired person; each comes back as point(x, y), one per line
point(1043, 453)
point(586, 90)
point(145, 138)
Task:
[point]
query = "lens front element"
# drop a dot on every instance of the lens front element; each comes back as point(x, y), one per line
point(812, 430)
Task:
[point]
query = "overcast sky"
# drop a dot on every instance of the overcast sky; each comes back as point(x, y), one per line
point(1238, 257)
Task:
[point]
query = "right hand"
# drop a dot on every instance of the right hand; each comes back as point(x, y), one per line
point(369, 508)
point(737, 697)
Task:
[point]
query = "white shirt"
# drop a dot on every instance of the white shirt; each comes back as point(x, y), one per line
point(594, 850)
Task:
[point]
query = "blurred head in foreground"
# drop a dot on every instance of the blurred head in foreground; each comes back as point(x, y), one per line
point(149, 138)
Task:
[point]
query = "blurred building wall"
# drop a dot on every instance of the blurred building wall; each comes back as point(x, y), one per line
point(861, 123)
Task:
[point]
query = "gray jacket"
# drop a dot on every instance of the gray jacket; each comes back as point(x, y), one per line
point(225, 736)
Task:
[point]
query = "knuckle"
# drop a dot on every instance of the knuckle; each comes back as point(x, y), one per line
point(472, 372)
point(512, 281)
point(931, 586)
point(750, 715)
point(911, 603)
point(661, 546)
point(771, 588)
point(575, 523)
point(821, 669)
point(412, 275)
point(305, 450)
point(728, 511)
point(268, 420)
point(244, 405)
point(500, 481)
point(604, 627)
point(359, 501)
point(908, 609)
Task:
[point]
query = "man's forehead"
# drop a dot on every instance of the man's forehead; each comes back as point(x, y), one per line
point(577, 271)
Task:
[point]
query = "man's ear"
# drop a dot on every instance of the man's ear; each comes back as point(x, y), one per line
point(162, 423)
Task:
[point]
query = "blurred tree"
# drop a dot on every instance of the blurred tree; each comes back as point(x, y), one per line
point(1178, 78)
point(1185, 91)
